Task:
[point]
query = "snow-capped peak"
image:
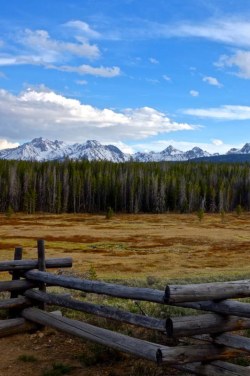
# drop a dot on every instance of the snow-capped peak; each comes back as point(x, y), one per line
point(41, 149)
point(170, 150)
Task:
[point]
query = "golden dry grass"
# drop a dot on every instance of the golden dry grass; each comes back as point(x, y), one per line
point(168, 246)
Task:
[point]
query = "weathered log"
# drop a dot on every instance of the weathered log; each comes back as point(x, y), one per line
point(14, 326)
point(229, 340)
point(97, 287)
point(102, 336)
point(41, 266)
point(205, 353)
point(215, 368)
point(227, 307)
point(19, 285)
point(99, 310)
point(187, 326)
point(140, 348)
point(207, 291)
point(173, 294)
point(19, 265)
point(20, 302)
point(16, 276)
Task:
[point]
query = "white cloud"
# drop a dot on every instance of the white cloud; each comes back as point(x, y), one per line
point(194, 93)
point(234, 31)
point(51, 49)
point(228, 30)
point(226, 112)
point(166, 78)
point(122, 146)
point(152, 60)
point(217, 142)
point(101, 71)
point(38, 48)
point(4, 144)
point(35, 113)
point(241, 60)
point(212, 81)
point(83, 28)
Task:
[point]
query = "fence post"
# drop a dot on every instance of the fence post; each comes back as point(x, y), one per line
point(16, 275)
point(18, 254)
point(41, 266)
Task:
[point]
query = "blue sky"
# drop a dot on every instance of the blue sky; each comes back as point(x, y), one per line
point(138, 74)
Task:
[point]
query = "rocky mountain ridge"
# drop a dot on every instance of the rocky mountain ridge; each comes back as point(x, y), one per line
point(41, 149)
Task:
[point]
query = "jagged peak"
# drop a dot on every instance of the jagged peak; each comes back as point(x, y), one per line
point(41, 149)
point(92, 143)
point(245, 148)
point(171, 150)
point(38, 140)
point(197, 149)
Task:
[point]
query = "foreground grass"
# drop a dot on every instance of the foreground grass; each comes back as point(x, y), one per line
point(136, 250)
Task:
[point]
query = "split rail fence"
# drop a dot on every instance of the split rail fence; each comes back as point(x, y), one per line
point(211, 343)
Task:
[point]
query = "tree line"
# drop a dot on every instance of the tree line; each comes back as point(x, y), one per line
point(132, 187)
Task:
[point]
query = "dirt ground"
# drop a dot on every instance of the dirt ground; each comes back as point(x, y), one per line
point(126, 247)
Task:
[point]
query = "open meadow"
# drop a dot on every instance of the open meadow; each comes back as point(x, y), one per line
point(142, 249)
point(165, 246)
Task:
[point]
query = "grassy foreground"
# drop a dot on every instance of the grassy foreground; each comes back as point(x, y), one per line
point(148, 250)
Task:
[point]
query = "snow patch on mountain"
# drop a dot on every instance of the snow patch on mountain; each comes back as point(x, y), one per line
point(41, 149)
point(171, 154)
point(244, 150)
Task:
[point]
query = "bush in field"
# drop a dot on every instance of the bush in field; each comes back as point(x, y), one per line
point(9, 212)
point(222, 216)
point(109, 213)
point(200, 214)
point(239, 210)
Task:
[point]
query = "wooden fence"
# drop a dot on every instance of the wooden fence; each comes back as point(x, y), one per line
point(211, 343)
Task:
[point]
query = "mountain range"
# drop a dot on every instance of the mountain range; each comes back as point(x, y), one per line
point(41, 149)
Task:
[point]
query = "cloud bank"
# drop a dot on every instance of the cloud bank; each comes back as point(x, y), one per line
point(45, 113)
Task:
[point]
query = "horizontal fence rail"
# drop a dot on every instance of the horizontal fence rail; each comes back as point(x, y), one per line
point(15, 326)
point(119, 291)
point(173, 294)
point(100, 310)
point(227, 307)
point(143, 349)
point(33, 264)
point(18, 286)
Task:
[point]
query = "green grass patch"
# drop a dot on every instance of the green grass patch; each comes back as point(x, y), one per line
point(27, 358)
point(58, 369)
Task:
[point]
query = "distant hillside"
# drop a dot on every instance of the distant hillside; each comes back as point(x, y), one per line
point(225, 158)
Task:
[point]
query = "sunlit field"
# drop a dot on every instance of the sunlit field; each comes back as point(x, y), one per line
point(165, 246)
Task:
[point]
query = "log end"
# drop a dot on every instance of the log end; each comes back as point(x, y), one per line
point(159, 356)
point(169, 327)
point(166, 297)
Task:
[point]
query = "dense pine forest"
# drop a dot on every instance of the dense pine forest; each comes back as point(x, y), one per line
point(82, 186)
